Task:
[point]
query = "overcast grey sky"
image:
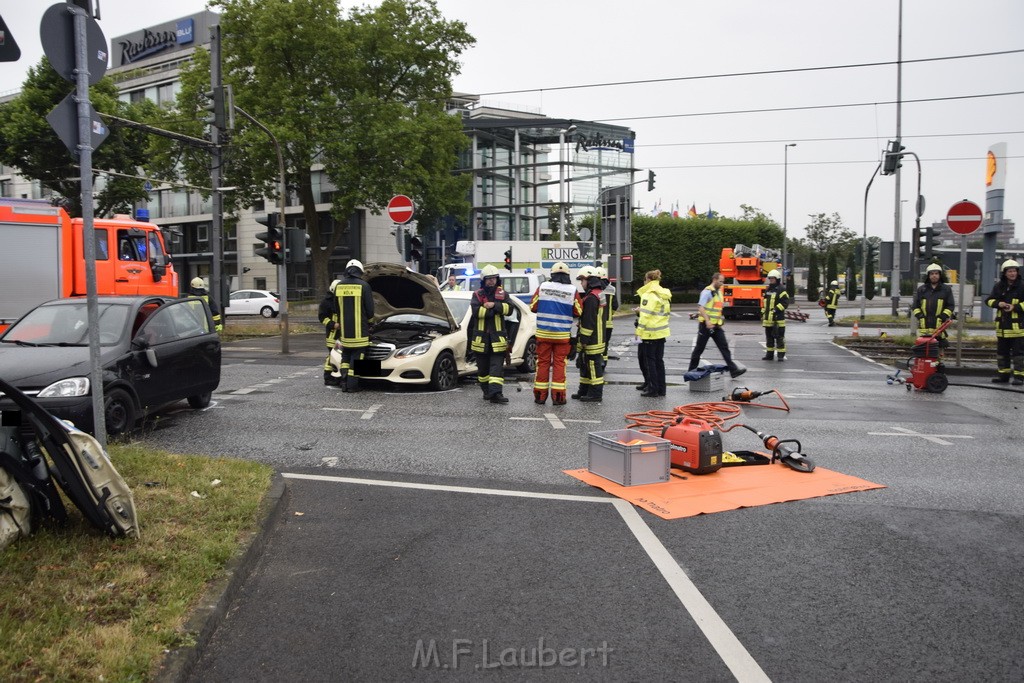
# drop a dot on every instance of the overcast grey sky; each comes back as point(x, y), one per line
point(722, 161)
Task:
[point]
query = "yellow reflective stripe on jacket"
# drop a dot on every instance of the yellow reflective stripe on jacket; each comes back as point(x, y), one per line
point(713, 308)
point(353, 332)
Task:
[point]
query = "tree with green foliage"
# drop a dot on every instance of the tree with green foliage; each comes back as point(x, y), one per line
point(831, 268)
point(361, 96)
point(813, 278)
point(869, 286)
point(29, 143)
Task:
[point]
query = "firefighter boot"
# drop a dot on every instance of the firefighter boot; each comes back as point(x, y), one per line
point(769, 354)
point(329, 379)
point(498, 397)
point(540, 396)
point(558, 398)
point(782, 356)
point(593, 395)
point(581, 392)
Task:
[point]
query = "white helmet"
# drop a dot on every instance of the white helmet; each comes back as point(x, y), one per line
point(775, 274)
point(1009, 263)
point(354, 263)
point(559, 268)
point(601, 272)
point(933, 267)
point(585, 272)
point(834, 283)
point(197, 283)
point(489, 271)
point(334, 285)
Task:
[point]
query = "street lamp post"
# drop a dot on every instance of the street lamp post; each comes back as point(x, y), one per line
point(561, 179)
point(785, 197)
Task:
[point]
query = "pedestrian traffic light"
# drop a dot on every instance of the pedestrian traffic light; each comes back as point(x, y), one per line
point(273, 239)
point(508, 259)
point(298, 252)
point(893, 157)
point(214, 104)
point(650, 181)
point(415, 248)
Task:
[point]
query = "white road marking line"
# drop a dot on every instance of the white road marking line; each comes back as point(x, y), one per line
point(330, 462)
point(368, 414)
point(451, 489)
point(725, 642)
point(346, 410)
point(939, 439)
point(555, 422)
point(596, 422)
point(527, 418)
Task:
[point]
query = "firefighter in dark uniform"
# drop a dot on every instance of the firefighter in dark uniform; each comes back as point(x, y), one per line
point(611, 304)
point(933, 303)
point(327, 312)
point(1007, 298)
point(355, 311)
point(773, 316)
point(198, 288)
point(592, 338)
point(831, 299)
point(488, 337)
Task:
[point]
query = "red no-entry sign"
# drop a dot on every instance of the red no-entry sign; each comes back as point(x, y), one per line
point(964, 217)
point(400, 209)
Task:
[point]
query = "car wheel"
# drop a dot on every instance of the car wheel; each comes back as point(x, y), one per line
point(445, 374)
point(200, 401)
point(119, 411)
point(268, 312)
point(529, 363)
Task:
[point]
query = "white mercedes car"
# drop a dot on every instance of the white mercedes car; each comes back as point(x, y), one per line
point(418, 335)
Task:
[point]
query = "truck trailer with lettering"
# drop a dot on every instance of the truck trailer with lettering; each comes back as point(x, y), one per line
point(43, 257)
point(526, 254)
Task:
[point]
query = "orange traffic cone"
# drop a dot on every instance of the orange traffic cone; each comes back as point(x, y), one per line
point(856, 329)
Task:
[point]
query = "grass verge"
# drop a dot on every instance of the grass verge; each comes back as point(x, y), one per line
point(76, 605)
point(236, 330)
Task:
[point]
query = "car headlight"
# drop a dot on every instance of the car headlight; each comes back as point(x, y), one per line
point(414, 350)
point(66, 388)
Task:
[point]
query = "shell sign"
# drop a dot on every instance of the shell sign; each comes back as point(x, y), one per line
point(995, 169)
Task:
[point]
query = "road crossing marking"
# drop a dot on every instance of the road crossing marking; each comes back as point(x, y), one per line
point(939, 439)
point(722, 639)
point(368, 413)
point(554, 420)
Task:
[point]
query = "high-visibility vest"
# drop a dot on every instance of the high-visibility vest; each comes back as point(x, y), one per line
point(555, 306)
point(713, 308)
point(654, 309)
point(354, 331)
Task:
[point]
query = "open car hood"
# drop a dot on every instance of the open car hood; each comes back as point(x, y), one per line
point(396, 289)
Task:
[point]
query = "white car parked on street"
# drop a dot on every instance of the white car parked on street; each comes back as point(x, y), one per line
point(254, 302)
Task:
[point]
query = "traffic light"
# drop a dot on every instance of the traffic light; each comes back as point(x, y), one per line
point(893, 157)
point(508, 259)
point(917, 242)
point(650, 181)
point(931, 240)
point(298, 252)
point(273, 240)
point(872, 252)
point(415, 248)
point(214, 104)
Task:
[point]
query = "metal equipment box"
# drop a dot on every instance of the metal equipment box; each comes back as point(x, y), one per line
point(708, 383)
point(629, 457)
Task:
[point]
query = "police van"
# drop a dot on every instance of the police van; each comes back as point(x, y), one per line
point(520, 283)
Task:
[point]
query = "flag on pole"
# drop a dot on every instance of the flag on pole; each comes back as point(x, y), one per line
point(675, 210)
point(710, 215)
point(693, 211)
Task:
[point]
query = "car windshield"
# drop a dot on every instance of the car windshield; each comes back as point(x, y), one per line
point(458, 306)
point(67, 324)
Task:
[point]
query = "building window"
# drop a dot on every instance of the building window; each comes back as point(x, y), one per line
point(259, 283)
point(202, 234)
point(6, 187)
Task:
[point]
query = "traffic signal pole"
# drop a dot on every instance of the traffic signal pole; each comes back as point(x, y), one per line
point(217, 236)
point(864, 245)
point(895, 290)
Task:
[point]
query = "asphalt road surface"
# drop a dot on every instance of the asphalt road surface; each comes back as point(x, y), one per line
point(431, 536)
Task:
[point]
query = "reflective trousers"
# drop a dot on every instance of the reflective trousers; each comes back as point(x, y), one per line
point(551, 354)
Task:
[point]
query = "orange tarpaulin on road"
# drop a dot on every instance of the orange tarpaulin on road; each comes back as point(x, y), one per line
point(728, 489)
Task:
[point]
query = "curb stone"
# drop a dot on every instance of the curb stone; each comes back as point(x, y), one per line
point(202, 622)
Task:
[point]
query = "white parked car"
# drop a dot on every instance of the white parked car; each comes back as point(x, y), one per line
point(254, 302)
point(419, 333)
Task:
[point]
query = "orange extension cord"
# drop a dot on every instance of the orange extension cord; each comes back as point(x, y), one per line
point(715, 413)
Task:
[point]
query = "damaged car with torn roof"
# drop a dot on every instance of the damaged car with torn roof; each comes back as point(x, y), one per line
point(418, 335)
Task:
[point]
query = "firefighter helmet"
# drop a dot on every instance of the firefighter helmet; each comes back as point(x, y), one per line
point(601, 272)
point(197, 283)
point(775, 274)
point(334, 285)
point(1009, 263)
point(834, 283)
point(560, 267)
point(354, 263)
point(933, 267)
point(585, 272)
point(489, 271)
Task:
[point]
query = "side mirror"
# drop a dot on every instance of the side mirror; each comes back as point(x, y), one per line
point(151, 357)
point(158, 264)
